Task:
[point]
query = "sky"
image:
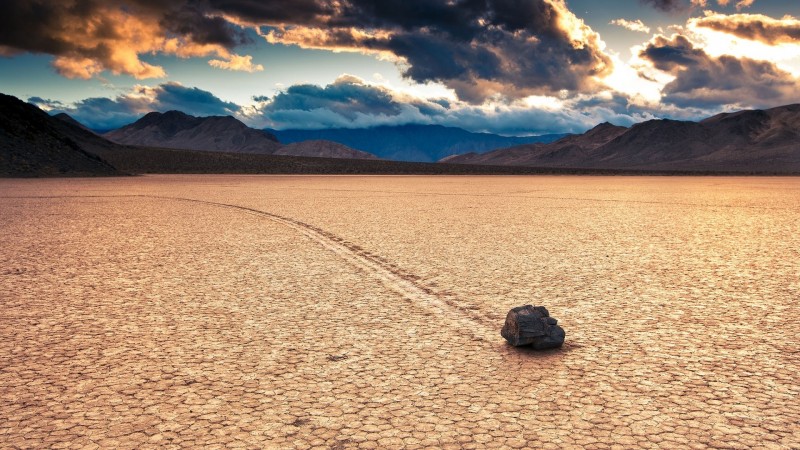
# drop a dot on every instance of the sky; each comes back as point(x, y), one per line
point(512, 67)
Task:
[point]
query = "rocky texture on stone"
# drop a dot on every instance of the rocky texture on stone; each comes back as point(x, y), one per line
point(533, 326)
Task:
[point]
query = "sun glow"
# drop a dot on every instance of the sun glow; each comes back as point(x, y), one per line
point(637, 79)
point(543, 102)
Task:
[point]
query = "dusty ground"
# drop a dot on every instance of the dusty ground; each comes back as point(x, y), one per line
point(364, 312)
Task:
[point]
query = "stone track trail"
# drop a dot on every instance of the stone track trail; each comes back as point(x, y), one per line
point(446, 307)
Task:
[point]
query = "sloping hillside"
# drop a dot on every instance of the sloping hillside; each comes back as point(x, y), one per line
point(34, 144)
point(175, 129)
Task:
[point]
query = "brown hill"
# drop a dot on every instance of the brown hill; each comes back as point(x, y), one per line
point(565, 152)
point(745, 141)
point(329, 149)
point(32, 143)
point(175, 129)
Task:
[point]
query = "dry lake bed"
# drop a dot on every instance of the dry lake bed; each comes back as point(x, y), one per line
point(364, 312)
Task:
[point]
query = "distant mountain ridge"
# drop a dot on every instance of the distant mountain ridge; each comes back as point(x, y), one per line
point(178, 130)
point(744, 141)
point(422, 143)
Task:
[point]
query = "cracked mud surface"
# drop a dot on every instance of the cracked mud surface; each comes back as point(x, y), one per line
point(364, 312)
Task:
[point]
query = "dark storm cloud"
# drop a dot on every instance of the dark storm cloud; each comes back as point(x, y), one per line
point(27, 25)
point(106, 113)
point(680, 5)
point(346, 97)
point(271, 11)
point(480, 48)
point(667, 5)
point(706, 81)
point(41, 25)
point(202, 29)
point(193, 100)
point(348, 102)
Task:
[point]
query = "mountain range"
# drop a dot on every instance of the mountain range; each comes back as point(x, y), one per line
point(175, 129)
point(33, 143)
point(744, 141)
point(424, 143)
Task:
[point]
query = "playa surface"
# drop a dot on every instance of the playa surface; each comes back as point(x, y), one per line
point(364, 312)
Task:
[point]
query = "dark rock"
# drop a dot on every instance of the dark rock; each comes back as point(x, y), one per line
point(532, 325)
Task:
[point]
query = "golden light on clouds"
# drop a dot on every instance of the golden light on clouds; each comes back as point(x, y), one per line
point(757, 41)
point(237, 62)
point(632, 25)
point(749, 36)
point(348, 40)
point(114, 39)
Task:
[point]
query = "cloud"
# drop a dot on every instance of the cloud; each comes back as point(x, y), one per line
point(705, 81)
point(236, 62)
point(739, 5)
point(104, 113)
point(194, 101)
point(678, 5)
point(505, 48)
point(350, 102)
point(755, 27)
point(633, 25)
point(347, 96)
point(88, 37)
point(666, 5)
point(46, 103)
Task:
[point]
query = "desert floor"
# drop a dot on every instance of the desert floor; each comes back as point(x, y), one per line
point(364, 312)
